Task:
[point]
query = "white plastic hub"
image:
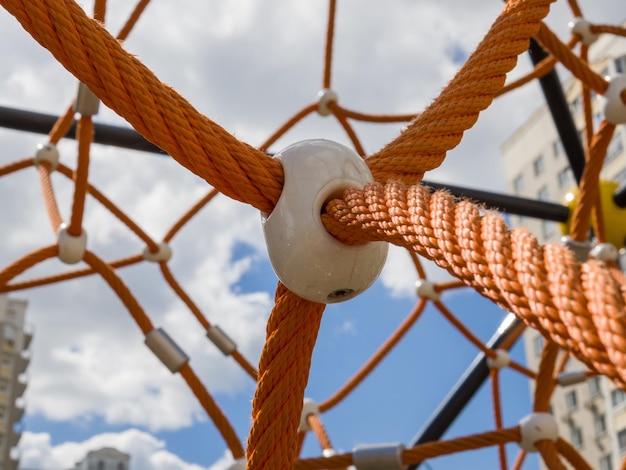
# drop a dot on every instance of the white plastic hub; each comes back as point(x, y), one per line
point(580, 249)
point(426, 290)
point(164, 347)
point(330, 452)
point(87, 103)
point(164, 253)
point(604, 252)
point(378, 457)
point(614, 106)
point(306, 258)
point(583, 29)
point(47, 153)
point(71, 248)
point(566, 379)
point(221, 340)
point(324, 98)
point(502, 359)
point(537, 427)
point(309, 407)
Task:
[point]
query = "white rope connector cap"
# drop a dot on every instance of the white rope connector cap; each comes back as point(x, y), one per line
point(47, 153)
point(71, 248)
point(307, 259)
point(164, 253)
point(580, 249)
point(239, 464)
point(324, 98)
point(166, 350)
point(378, 457)
point(221, 340)
point(614, 106)
point(309, 407)
point(502, 359)
point(566, 379)
point(537, 427)
point(330, 452)
point(604, 252)
point(87, 103)
point(426, 290)
point(582, 27)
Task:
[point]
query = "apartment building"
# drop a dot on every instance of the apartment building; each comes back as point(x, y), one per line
point(106, 458)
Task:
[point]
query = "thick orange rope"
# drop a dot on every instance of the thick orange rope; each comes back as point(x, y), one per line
point(283, 373)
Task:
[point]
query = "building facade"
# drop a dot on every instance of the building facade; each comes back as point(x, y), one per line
point(15, 339)
point(106, 458)
point(591, 412)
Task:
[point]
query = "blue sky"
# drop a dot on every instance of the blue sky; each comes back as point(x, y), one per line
point(249, 65)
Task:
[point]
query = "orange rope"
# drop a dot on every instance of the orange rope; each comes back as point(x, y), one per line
point(62, 125)
point(288, 125)
point(16, 166)
point(283, 374)
point(497, 411)
point(548, 452)
point(378, 356)
point(330, 32)
point(26, 262)
point(132, 20)
point(471, 337)
point(99, 10)
point(572, 455)
point(318, 429)
point(188, 215)
point(602, 28)
point(545, 378)
point(48, 196)
point(373, 117)
point(84, 133)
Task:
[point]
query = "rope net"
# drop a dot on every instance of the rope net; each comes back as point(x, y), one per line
point(577, 306)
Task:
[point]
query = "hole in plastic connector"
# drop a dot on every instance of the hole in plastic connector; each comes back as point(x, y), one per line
point(340, 294)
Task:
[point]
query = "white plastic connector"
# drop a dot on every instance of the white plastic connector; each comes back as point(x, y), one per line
point(537, 427)
point(614, 106)
point(306, 258)
point(71, 248)
point(309, 407)
point(378, 457)
point(164, 253)
point(47, 153)
point(426, 290)
point(582, 27)
point(324, 98)
point(502, 359)
point(239, 464)
point(566, 379)
point(580, 249)
point(164, 348)
point(621, 260)
point(330, 452)
point(87, 103)
point(604, 252)
point(221, 340)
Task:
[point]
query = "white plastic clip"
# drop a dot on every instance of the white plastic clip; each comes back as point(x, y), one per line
point(502, 359)
point(378, 457)
point(580, 249)
point(621, 260)
point(330, 452)
point(614, 106)
point(571, 378)
point(164, 348)
point(309, 407)
point(306, 258)
point(582, 27)
point(221, 340)
point(47, 153)
point(71, 248)
point(537, 427)
point(87, 103)
point(604, 252)
point(426, 290)
point(324, 98)
point(164, 253)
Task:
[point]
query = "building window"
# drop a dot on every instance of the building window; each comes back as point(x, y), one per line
point(621, 440)
point(575, 106)
point(121, 466)
point(4, 384)
point(542, 194)
point(547, 229)
point(571, 401)
point(620, 177)
point(620, 64)
point(617, 398)
point(616, 147)
point(594, 386)
point(538, 165)
point(557, 147)
point(606, 463)
point(566, 178)
point(599, 423)
point(518, 184)
point(5, 358)
point(100, 465)
point(538, 345)
point(576, 436)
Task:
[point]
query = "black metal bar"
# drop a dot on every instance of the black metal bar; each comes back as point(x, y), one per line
point(557, 104)
point(510, 204)
point(619, 197)
point(465, 388)
point(104, 134)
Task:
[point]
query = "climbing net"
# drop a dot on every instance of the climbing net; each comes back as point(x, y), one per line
point(576, 304)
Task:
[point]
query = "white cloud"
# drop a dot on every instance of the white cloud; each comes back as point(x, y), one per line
point(146, 452)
